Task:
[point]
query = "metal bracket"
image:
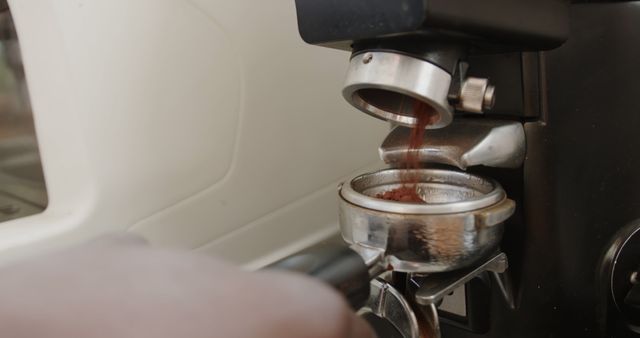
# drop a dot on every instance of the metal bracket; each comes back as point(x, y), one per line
point(387, 302)
point(435, 287)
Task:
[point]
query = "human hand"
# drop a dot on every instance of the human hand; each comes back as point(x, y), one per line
point(119, 287)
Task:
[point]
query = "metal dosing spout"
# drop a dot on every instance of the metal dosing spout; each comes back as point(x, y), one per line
point(389, 85)
point(385, 84)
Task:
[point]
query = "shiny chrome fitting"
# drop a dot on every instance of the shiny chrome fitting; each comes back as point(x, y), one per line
point(476, 95)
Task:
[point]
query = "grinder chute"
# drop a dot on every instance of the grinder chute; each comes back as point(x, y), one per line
point(387, 85)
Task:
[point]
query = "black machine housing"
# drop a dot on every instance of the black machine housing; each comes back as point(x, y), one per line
point(578, 191)
point(439, 31)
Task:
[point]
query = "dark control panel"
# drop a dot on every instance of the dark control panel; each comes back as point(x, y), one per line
point(621, 282)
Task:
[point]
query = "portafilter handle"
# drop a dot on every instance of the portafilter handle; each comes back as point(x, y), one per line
point(336, 265)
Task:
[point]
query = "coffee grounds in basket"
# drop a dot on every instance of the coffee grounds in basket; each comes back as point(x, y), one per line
point(402, 194)
point(408, 192)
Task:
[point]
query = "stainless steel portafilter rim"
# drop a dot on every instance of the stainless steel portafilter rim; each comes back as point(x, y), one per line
point(469, 192)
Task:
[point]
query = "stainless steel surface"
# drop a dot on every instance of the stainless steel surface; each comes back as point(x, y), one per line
point(386, 302)
point(634, 278)
point(476, 95)
point(464, 143)
point(22, 188)
point(444, 191)
point(505, 286)
point(381, 83)
point(435, 287)
point(455, 302)
point(372, 258)
point(461, 224)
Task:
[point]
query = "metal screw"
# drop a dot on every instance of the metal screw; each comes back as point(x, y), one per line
point(367, 58)
point(635, 278)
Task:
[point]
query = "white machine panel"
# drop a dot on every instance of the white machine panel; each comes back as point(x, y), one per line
point(200, 124)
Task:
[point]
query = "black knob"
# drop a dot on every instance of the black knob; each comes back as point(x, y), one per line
point(632, 299)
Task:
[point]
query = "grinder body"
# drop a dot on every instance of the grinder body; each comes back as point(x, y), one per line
point(576, 103)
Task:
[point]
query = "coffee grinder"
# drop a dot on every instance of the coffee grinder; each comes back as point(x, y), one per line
point(528, 171)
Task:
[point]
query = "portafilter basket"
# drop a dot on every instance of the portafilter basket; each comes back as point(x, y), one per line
point(461, 222)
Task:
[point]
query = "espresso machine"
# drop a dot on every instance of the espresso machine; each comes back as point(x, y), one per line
point(529, 171)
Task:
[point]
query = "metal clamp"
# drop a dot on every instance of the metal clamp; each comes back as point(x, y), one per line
point(435, 287)
point(388, 303)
